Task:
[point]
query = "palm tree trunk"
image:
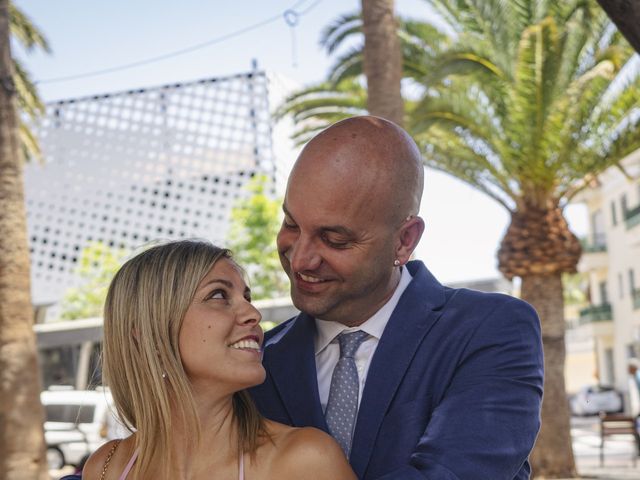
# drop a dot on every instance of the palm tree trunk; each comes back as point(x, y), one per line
point(22, 452)
point(382, 60)
point(552, 456)
point(626, 15)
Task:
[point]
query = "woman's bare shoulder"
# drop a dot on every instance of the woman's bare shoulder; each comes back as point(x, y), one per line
point(309, 453)
point(96, 462)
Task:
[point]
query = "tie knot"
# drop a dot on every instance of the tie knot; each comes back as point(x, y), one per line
point(349, 342)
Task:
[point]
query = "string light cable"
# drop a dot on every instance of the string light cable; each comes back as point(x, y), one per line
point(289, 14)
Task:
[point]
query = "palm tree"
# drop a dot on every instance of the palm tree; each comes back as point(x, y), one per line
point(343, 95)
point(29, 104)
point(528, 103)
point(22, 448)
point(626, 16)
point(382, 60)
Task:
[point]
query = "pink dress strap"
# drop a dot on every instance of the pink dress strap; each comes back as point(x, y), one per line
point(127, 469)
point(241, 474)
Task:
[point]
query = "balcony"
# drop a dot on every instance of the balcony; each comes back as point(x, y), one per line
point(632, 217)
point(594, 253)
point(597, 319)
point(596, 313)
point(635, 299)
point(595, 244)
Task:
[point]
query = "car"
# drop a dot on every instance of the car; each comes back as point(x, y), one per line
point(593, 399)
point(75, 424)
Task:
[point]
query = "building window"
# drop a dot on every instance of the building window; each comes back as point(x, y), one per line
point(632, 282)
point(614, 218)
point(610, 377)
point(631, 351)
point(620, 286)
point(597, 229)
point(604, 296)
point(623, 204)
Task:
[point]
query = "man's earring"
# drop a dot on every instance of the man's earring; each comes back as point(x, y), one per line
point(396, 262)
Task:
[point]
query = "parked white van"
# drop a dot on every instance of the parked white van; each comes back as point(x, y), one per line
point(76, 423)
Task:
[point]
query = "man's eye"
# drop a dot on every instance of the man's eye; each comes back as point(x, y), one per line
point(288, 224)
point(336, 243)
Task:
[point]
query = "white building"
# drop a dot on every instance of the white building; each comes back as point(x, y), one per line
point(132, 167)
point(611, 259)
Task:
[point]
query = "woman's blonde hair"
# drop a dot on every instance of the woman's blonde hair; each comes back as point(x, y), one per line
point(145, 306)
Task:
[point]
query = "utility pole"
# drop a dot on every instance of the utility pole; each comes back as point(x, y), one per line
point(22, 446)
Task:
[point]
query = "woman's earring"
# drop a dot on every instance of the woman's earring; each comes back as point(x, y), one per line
point(396, 262)
point(164, 375)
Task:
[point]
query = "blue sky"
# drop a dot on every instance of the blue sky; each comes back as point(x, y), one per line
point(464, 227)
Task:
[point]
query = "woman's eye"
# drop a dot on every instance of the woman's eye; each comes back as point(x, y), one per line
point(217, 295)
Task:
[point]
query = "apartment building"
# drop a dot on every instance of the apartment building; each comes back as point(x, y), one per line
point(611, 261)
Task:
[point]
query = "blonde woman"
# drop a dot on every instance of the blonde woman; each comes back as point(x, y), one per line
point(181, 343)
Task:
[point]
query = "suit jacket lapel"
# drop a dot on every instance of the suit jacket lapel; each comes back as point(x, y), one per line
point(291, 363)
point(415, 314)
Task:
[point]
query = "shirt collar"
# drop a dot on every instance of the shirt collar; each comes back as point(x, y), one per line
point(327, 331)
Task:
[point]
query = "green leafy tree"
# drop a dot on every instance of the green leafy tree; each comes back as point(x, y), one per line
point(575, 287)
point(97, 266)
point(255, 222)
point(527, 101)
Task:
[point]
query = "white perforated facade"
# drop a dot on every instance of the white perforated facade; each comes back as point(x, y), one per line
point(131, 167)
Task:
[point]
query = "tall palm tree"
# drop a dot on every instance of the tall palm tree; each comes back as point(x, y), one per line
point(528, 103)
point(22, 448)
point(25, 33)
point(626, 16)
point(343, 95)
point(382, 60)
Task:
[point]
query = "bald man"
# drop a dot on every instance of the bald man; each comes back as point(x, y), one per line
point(414, 380)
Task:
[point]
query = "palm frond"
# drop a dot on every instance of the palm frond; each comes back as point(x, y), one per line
point(318, 106)
point(343, 27)
point(531, 96)
point(29, 146)
point(450, 153)
point(24, 30)
point(348, 65)
point(29, 102)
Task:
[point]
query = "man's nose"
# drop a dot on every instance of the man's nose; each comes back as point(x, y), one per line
point(303, 255)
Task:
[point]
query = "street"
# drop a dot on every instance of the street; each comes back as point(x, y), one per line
point(619, 452)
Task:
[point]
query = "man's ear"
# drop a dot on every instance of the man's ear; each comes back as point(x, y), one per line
point(408, 237)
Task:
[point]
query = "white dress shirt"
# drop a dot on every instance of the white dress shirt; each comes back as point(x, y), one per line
point(327, 347)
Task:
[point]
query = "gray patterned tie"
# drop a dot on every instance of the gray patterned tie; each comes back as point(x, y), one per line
point(342, 405)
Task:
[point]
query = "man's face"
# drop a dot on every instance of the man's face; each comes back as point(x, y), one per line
point(336, 245)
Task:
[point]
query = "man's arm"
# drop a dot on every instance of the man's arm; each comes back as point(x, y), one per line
point(487, 422)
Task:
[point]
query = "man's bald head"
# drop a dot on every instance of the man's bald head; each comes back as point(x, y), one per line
point(371, 157)
point(351, 219)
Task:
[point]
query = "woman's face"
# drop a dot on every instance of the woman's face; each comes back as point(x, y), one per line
point(221, 339)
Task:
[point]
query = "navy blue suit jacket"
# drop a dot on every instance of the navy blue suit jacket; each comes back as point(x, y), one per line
point(453, 391)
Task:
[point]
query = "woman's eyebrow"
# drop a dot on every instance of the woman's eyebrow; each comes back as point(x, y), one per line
point(223, 281)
